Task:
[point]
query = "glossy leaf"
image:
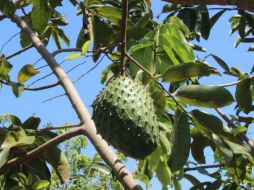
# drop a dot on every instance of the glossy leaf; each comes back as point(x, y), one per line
point(205, 23)
point(12, 119)
point(41, 184)
point(163, 173)
point(57, 159)
point(216, 17)
point(115, 15)
point(184, 71)
point(101, 167)
point(180, 24)
point(100, 34)
point(17, 89)
point(26, 72)
point(5, 68)
point(205, 96)
point(85, 47)
point(181, 144)
point(24, 38)
point(40, 15)
point(58, 19)
point(188, 16)
point(31, 123)
point(4, 154)
point(211, 123)
point(243, 95)
point(7, 7)
point(221, 63)
point(74, 56)
point(198, 145)
point(17, 139)
point(39, 167)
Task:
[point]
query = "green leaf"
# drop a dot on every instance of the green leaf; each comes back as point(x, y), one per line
point(31, 123)
point(17, 139)
point(12, 119)
point(205, 96)
point(85, 47)
point(4, 154)
point(40, 15)
point(25, 38)
point(74, 56)
point(57, 159)
point(215, 18)
point(162, 172)
point(58, 19)
point(205, 23)
point(188, 16)
point(101, 32)
point(211, 123)
point(26, 72)
point(109, 72)
point(5, 68)
point(187, 70)
point(17, 89)
point(221, 63)
point(180, 24)
point(192, 179)
point(101, 167)
point(181, 48)
point(181, 146)
point(243, 95)
point(115, 15)
point(198, 145)
point(7, 7)
point(41, 184)
point(39, 167)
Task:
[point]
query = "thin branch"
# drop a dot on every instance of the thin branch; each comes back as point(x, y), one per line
point(237, 82)
point(17, 53)
point(204, 167)
point(241, 4)
point(55, 97)
point(8, 41)
point(40, 149)
point(50, 128)
point(84, 74)
point(123, 35)
point(66, 50)
point(230, 124)
point(34, 89)
point(37, 80)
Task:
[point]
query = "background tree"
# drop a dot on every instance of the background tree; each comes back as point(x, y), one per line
point(165, 57)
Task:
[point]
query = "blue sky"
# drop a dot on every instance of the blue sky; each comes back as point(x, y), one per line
point(59, 111)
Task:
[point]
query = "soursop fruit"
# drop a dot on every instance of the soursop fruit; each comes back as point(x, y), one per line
point(124, 115)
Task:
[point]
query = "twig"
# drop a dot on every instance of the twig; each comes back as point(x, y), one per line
point(66, 50)
point(17, 53)
point(74, 67)
point(34, 89)
point(81, 76)
point(230, 124)
point(8, 41)
point(40, 149)
point(50, 99)
point(45, 76)
point(237, 82)
point(60, 127)
point(123, 35)
point(204, 167)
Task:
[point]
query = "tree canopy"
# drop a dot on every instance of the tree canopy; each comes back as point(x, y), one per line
point(162, 54)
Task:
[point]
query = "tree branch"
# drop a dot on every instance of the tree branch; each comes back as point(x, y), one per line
point(17, 53)
point(50, 128)
point(241, 4)
point(123, 35)
point(204, 167)
point(237, 82)
point(40, 149)
point(119, 170)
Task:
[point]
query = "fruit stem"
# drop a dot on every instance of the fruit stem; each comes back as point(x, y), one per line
point(123, 36)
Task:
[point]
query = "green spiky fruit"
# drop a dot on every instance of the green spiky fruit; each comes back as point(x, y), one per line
point(124, 115)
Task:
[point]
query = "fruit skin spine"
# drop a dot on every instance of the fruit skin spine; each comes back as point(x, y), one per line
point(124, 115)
